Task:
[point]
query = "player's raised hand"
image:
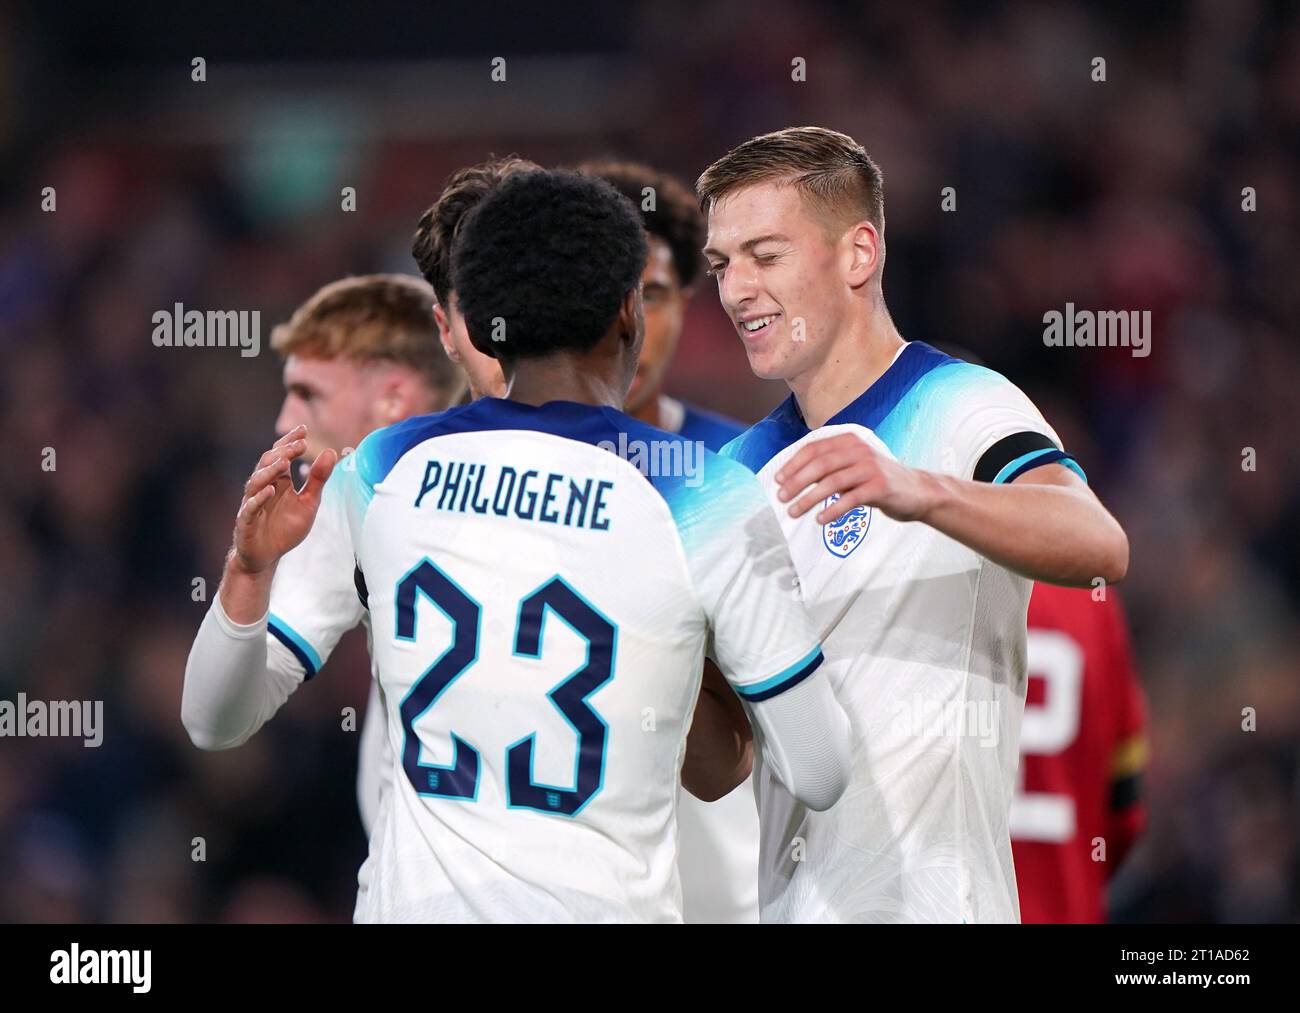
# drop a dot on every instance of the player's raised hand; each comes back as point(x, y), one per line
point(859, 474)
point(273, 517)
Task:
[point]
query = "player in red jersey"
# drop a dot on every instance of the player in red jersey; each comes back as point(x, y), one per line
point(1077, 808)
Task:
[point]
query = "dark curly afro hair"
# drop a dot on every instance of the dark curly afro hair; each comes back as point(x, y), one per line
point(435, 233)
point(551, 254)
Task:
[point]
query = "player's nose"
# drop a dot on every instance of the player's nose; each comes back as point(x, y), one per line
point(286, 420)
point(739, 286)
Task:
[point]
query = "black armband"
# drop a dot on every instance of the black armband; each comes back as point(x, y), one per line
point(1013, 455)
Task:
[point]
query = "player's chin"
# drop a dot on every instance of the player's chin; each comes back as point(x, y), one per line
point(767, 363)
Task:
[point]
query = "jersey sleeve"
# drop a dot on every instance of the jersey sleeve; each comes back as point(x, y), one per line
point(314, 598)
point(759, 633)
point(997, 433)
point(359, 473)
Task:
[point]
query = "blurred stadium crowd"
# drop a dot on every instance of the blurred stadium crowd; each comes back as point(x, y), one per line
point(1123, 194)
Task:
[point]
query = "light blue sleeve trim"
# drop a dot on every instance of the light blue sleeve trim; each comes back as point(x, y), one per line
point(296, 643)
point(768, 688)
point(1073, 465)
point(1025, 461)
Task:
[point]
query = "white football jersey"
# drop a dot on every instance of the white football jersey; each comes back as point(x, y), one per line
point(925, 649)
point(314, 598)
point(718, 857)
point(717, 842)
point(314, 601)
point(536, 764)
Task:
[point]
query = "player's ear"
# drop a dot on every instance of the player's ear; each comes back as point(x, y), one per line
point(399, 395)
point(444, 333)
point(630, 321)
point(865, 252)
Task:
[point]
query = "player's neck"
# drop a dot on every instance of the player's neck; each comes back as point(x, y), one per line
point(564, 378)
point(852, 364)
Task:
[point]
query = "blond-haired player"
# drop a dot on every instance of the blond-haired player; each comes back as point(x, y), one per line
point(360, 354)
point(920, 496)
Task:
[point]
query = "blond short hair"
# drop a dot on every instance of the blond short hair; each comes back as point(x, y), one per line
point(830, 170)
point(372, 318)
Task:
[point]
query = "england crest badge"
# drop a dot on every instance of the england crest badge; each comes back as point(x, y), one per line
point(846, 534)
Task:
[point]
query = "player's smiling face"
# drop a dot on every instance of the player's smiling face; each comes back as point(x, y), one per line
point(777, 268)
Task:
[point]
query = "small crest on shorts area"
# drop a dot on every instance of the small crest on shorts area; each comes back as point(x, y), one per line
point(846, 534)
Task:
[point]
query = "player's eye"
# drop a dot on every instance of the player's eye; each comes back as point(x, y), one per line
point(714, 270)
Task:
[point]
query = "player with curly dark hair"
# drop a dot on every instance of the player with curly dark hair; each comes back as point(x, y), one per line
point(525, 788)
point(579, 247)
point(718, 840)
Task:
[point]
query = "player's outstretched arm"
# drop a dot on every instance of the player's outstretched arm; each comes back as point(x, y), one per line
point(763, 642)
point(720, 746)
point(1046, 525)
point(806, 740)
point(229, 689)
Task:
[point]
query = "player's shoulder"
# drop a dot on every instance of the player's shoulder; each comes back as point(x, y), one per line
point(706, 475)
point(375, 455)
point(959, 384)
point(582, 423)
point(926, 378)
point(922, 380)
point(705, 491)
point(723, 509)
point(762, 441)
point(948, 413)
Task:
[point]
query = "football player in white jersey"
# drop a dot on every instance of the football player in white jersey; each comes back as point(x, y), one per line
point(354, 356)
point(359, 354)
point(920, 496)
point(718, 839)
point(536, 765)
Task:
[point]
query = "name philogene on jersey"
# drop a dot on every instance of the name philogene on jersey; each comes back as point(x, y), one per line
point(553, 498)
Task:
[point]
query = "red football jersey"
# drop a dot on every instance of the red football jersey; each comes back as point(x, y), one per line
point(1077, 807)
